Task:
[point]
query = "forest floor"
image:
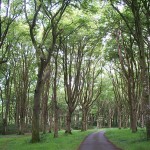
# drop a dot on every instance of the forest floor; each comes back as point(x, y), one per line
point(126, 140)
point(97, 141)
point(63, 142)
point(122, 138)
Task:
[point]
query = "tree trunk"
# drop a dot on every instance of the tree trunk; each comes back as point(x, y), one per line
point(77, 120)
point(99, 124)
point(55, 115)
point(91, 119)
point(68, 123)
point(4, 127)
point(22, 122)
point(119, 118)
point(132, 104)
point(23, 111)
point(84, 119)
point(7, 94)
point(56, 123)
point(36, 106)
point(142, 59)
point(109, 118)
point(55, 98)
point(50, 121)
point(44, 114)
point(2, 103)
point(142, 121)
point(133, 120)
point(44, 105)
point(125, 119)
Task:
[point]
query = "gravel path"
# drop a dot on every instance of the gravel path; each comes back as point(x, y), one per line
point(97, 141)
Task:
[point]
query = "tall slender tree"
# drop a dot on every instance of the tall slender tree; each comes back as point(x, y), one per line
point(43, 52)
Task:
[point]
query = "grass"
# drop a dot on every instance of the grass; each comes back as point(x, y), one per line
point(64, 142)
point(126, 140)
point(123, 138)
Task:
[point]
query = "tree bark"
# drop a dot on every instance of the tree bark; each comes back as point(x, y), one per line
point(7, 95)
point(84, 119)
point(50, 121)
point(36, 107)
point(119, 118)
point(68, 123)
point(44, 106)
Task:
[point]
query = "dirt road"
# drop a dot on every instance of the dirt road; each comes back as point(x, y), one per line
point(97, 141)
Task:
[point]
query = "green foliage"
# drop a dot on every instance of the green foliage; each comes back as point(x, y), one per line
point(107, 89)
point(90, 6)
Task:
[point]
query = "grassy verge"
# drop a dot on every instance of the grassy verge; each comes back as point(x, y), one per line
point(64, 142)
point(126, 140)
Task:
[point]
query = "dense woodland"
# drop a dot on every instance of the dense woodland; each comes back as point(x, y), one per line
point(74, 64)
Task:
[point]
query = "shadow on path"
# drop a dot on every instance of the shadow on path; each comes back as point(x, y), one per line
point(97, 141)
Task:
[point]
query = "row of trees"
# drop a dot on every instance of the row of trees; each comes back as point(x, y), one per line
point(60, 52)
point(131, 62)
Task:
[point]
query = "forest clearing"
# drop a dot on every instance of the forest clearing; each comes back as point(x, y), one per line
point(71, 69)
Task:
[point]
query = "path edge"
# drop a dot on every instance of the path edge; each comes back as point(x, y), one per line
point(118, 148)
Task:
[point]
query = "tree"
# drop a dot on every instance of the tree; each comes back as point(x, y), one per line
point(91, 87)
point(55, 103)
point(9, 12)
point(138, 33)
point(43, 57)
point(72, 60)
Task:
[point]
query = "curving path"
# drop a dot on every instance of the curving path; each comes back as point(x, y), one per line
point(97, 141)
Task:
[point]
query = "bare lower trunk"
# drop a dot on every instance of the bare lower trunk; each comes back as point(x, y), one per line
point(99, 124)
point(56, 124)
point(119, 119)
point(142, 121)
point(35, 117)
point(109, 118)
point(147, 120)
point(148, 129)
point(126, 121)
point(4, 128)
point(132, 105)
point(44, 118)
point(45, 107)
point(91, 119)
point(68, 123)
point(22, 126)
point(50, 121)
point(55, 118)
point(55, 99)
point(36, 106)
point(22, 114)
point(7, 94)
point(76, 121)
point(133, 119)
point(84, 120)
